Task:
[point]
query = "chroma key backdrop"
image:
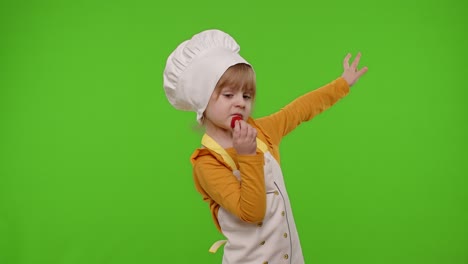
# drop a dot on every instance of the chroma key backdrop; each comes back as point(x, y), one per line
point(94, 161)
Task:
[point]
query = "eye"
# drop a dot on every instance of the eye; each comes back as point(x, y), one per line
point(247, 96)
point(228, 95)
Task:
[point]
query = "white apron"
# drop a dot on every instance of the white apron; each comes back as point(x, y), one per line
point(275, 239)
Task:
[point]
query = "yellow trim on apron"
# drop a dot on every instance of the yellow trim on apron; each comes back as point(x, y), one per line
point(216, 246)
point(210, 143)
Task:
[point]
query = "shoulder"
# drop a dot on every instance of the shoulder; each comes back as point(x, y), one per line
point(204, 157)
point(201, 154)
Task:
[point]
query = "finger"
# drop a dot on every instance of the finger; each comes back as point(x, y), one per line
point(346, 61)
point(254, 134)
point(254, 137)
point(356, 61)
point(236, 130)
point(251, 134)
point(361, 72)
point(243, 128)
point(247, 133)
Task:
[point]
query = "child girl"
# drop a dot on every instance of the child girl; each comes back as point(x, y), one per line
point(237, 170)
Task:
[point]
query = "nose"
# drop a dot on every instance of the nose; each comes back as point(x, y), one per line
point(240, 102)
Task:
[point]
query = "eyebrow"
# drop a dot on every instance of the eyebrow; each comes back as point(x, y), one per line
point(227, 89)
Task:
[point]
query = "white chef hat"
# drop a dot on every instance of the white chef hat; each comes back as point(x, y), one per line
point(195, 66)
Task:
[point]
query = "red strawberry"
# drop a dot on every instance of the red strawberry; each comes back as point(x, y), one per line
point(234, 119)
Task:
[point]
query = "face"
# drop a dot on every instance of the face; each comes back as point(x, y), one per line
point(230, 102)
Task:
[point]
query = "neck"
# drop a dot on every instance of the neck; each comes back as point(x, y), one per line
point(222, 136)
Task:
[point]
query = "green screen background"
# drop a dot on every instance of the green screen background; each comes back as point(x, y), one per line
point(94, 161)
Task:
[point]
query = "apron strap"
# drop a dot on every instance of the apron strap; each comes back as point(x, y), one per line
point(210, 143)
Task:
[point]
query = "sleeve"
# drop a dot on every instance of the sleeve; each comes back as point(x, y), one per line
point(246, 198)
point(304, 108)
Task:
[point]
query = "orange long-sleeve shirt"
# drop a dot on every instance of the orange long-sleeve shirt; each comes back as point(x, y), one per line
point(246, 198)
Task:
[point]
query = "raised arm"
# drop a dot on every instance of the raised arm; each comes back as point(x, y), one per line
point(311, 104)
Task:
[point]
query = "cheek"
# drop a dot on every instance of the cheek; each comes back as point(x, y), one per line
point(249, 106)
point(210, 109)
point(214, 110)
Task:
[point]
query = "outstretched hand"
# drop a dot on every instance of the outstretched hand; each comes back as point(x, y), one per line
point(351, 73)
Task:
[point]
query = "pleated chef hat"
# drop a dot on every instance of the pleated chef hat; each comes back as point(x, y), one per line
point(195, 66)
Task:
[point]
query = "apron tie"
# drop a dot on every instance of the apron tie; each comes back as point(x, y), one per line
point(217, 245)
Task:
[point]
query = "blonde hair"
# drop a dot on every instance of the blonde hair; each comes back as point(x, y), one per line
point(238, 77)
